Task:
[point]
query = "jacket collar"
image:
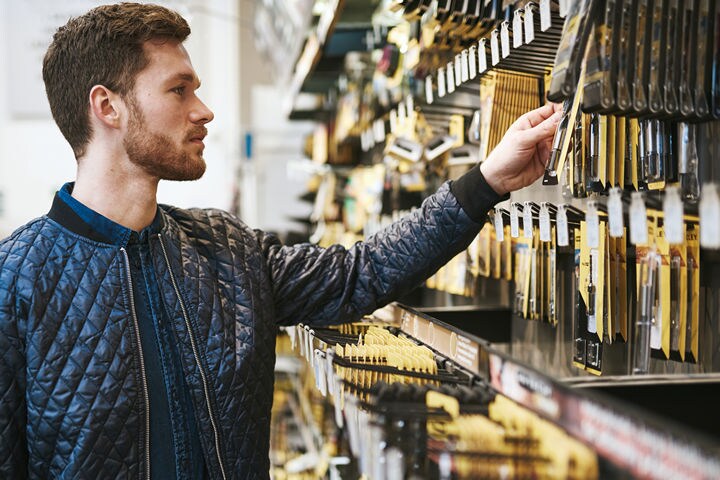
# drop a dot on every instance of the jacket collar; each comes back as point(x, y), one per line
point(82, 220)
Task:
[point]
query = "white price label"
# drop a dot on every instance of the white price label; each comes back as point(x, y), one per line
point(673, 213)
point(472, 62)
point(561, 227)
point(615, 213)
point(482, 56)
point(527, 221)
point(379, 130)
point(514, 221)
point(517, 28)
point(458, 69)
point(450, 73)
point(545, 223)
point(638, 220)
point(429, 89)
point(464, 67)
point(499, 227)
point(393, 121)
point(710, 217)
point(409, 105)
point(505, 39)
point(441, 82)
point(563, 11)
point(545, 15)
point(494, 47)
point(592, 221)
point(529, 23)
point(402, 115)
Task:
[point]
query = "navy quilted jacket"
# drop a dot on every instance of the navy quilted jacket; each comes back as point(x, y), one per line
point(71, 386)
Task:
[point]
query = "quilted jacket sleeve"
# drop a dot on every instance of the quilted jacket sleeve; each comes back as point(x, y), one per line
point(322, 286)
point(13, 446)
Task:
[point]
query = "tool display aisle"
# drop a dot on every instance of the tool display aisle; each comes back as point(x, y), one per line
point(606, 271)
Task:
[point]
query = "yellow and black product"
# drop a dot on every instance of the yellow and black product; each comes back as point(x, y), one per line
point(643, 43)
point(598, 88)
point(617, 286)
point(678, 299)
point(648, 263)
point(621, 151)
point(579, 308)
point(624, 50)
point(715, 48)
point(661, 325)
point(566, 71)
point(693, 292)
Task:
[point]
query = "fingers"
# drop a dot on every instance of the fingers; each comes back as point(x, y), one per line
point(543, 131)
point(537, 116)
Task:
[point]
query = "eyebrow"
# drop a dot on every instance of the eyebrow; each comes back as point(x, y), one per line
point(186, 77)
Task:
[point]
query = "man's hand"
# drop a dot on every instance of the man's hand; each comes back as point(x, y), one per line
point(520, 157)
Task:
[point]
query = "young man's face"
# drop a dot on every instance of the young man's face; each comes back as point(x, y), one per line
point(166, 127)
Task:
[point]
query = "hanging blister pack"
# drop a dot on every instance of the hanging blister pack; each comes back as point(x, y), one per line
point(599, 89)
point(643, 41)
point(571, 51)
point(715, 47)
point(625, 52)
point(656, 64)
point(671, 73)
point(702, 68)
point(687, 61)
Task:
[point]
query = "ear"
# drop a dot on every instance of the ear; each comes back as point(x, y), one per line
point(105, 106)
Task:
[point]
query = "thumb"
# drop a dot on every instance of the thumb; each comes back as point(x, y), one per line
point(542, 131)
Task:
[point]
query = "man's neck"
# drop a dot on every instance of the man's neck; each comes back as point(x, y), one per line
point(123, 198)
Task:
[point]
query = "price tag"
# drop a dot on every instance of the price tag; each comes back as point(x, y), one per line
point(709, 217)
point(505, 39)
point(514, 221)
point(564, 7)
point(464, 67)
point(529, 23)
point(482, 55)
point(593, 225)
point(402, 115)
point(527, 221)
point(494, 47)
point(545, 223)
point(441, 82)
point(472, 62)
point(320, 376)
point(638, 220)
point(393, 120)
point(458, 69)
point(409, 105)
point(379, 131)
point(673, 212)
point(499, 227)
point(615, 213)
point(428, 89)
point(561, 227)
point(545, 15)
point(450, 72)
point(517, 28)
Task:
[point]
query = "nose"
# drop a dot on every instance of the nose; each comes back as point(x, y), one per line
point(201, 114)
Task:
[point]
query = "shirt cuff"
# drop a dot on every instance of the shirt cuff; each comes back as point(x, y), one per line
point(475, 195)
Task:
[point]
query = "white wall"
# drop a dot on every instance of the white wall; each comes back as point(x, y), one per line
point(35, 159)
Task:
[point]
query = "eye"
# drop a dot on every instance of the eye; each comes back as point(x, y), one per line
point(179, 90)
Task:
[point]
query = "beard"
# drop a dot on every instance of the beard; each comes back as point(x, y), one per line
point(157, 154)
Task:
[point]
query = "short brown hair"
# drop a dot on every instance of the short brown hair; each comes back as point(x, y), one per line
point(102, 47)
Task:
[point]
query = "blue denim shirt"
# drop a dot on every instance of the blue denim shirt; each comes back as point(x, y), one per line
point(171, 412)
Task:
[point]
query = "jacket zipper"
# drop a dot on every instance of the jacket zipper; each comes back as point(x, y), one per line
point(146, 396)
point(197, 357)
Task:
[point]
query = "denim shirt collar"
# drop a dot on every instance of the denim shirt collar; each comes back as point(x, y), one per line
point(71, 213)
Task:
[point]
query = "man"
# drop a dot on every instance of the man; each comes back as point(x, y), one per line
point(138, 340)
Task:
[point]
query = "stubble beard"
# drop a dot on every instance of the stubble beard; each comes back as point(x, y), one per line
point(156, 153)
